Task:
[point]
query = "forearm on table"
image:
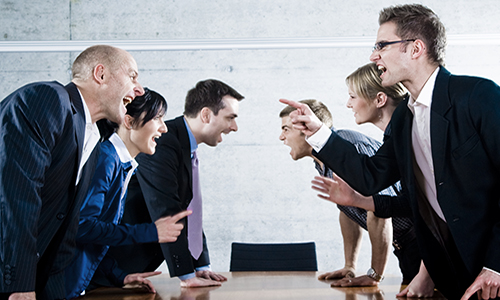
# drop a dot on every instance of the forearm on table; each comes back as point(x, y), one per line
point(352, 236)
point(380, 233)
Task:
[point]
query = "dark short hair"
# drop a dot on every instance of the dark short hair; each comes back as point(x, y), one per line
point(415, 21)
point(143, 109)
point(208, 93)
point(317, 107)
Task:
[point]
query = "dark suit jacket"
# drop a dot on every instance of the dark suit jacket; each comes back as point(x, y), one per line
point(66, 237)
point(465, 140)
point(42, 132)
point(161, 187)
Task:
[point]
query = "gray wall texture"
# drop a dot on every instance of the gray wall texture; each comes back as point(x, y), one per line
point(253, 191)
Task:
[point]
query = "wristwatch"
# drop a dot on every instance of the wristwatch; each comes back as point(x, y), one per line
point(373, 275)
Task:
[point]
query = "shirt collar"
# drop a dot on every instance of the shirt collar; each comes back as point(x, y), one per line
point(425, 96)
point(88, 116)
point(122, 150)
point(192, 140)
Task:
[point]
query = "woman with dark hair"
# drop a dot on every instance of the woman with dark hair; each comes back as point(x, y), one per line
point(102, 210)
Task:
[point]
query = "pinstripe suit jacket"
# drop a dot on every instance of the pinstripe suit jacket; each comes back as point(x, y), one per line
point(42, 131)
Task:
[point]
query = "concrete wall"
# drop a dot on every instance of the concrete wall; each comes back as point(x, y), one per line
point(253, 191)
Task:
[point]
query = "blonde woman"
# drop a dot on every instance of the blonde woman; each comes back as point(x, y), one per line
point(373, 103)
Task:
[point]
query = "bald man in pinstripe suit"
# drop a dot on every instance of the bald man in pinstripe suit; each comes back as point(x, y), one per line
point(47, 134)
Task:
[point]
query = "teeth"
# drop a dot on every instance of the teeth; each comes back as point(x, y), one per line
point(382, 69)
point(126, 100)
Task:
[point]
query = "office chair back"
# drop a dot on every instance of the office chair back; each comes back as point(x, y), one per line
point(273, 257)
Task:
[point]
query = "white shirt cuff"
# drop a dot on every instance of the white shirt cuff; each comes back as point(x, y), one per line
point(491, 270)
point(319, 139)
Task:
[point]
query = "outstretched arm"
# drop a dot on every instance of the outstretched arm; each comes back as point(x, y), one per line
point(168, 227)
point(380, 233)
point(338, 191)
point(303, 118)
point(352, 236)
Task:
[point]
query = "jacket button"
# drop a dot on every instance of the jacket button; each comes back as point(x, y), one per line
point(7, 276)
point(7, 282)
point(60, 216)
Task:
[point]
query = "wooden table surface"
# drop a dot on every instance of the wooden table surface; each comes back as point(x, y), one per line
point(255, 285)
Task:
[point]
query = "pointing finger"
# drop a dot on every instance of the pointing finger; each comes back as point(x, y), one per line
point(181, 215)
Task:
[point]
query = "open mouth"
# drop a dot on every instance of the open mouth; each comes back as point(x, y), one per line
point(127, 100)
point(381, 70)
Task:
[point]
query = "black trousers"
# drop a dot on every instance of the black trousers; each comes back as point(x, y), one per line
point(406, 250)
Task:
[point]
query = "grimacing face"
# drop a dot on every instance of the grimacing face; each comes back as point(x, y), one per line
point(392, 60)
point(121, 88)
point(294, 139)
point(222, 123)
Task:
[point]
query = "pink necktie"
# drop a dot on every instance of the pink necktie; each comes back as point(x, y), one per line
point(194, 225)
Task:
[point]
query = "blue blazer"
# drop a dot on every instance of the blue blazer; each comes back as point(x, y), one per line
point(100, 214)
point(42, 132)
point(465, 140)
point(162, 186)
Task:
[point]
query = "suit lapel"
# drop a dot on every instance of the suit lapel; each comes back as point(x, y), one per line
point(407, 142)
point(78, 117)
point(186, 148)
point(79, 127)
point(439, 124)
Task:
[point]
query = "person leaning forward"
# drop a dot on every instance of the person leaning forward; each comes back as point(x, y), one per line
point(444, 146)
point(382, 231)
point(48, 136)
point(165, 185)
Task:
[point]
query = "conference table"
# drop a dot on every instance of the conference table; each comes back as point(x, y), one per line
point(255, 285)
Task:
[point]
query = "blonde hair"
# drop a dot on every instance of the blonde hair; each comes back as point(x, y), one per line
point(366, 82)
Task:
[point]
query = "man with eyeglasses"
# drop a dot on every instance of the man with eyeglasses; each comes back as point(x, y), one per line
point(444, 147)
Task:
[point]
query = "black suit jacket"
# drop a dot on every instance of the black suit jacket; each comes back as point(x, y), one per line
point(42, 132)
point(161, 187)
point(64, 244)
point(465, 140)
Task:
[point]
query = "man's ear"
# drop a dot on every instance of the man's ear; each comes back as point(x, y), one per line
point(381, 99)
point(205, 114)
point(98, 73)
point(418, 49)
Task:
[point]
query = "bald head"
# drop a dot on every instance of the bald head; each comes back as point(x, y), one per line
point(109, 56)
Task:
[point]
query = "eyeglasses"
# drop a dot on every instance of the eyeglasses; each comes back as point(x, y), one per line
point(381, 45)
